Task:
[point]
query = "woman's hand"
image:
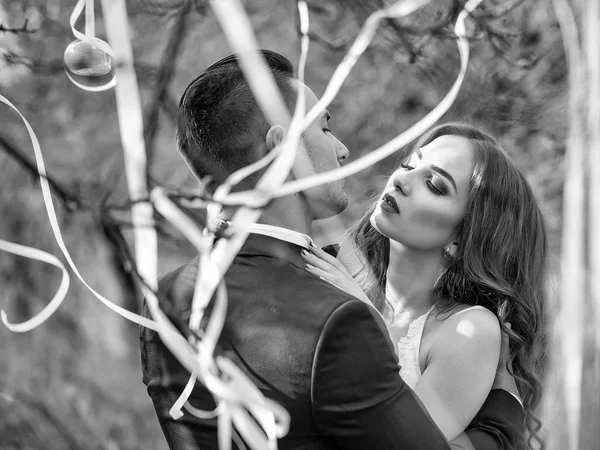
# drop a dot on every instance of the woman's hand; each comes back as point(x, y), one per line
point(504, 380)
point(330, 269)
point(462, 442)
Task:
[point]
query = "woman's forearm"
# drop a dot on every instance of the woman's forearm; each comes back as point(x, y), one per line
point(462, 442)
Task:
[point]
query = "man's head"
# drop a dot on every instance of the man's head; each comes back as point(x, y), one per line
point(220, 129)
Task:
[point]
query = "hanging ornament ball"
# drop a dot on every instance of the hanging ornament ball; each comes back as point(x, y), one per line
point(89, 64)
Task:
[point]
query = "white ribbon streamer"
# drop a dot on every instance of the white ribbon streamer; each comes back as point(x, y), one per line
point(73, 20)
point(59, 296)
point(45, 186)
point(90, 25)
point(200, 414)
point(198, 358)
point(129, 108)
point(234, 392)
point(407, 136)
point(225, 250)
point(260, 80)
point(175, 411)
point(240, 403)
point(250, 198)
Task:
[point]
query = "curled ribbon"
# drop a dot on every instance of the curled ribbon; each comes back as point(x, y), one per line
point(259, 420)
point(230, 12)
point(59, 296)
point(250, 198)
point(46, 193)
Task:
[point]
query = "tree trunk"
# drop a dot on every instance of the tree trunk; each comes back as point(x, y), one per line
point(576, 340)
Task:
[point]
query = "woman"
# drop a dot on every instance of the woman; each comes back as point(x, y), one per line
point(455, 247)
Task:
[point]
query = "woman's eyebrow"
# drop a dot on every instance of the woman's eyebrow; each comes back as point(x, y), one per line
point(439, 170)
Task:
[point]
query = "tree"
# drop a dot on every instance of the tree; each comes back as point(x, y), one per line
point(577, 335)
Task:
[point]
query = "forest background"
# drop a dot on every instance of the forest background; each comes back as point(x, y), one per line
point(75, 382)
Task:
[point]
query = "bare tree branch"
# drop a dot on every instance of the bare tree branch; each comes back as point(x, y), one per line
point(70, 201)
point(337, 45)
point(169, 106)
point(23, 28)
point(495, 14)
point(121, 260)
point(414, 36)
point(143, 71)
point(73, 202)
point(165, 74)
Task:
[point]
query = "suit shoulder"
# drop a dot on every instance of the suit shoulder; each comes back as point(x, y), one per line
point(350, 307)
point(355, 319)
point(186, 270)
point(178, 285)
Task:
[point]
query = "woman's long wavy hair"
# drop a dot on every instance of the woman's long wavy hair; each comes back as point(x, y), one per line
point(500, 263)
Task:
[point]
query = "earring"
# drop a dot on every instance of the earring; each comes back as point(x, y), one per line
point(446, 253)
point(449, 252)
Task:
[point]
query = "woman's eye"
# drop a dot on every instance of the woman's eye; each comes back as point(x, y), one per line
point(435, 190)
point(406, 166)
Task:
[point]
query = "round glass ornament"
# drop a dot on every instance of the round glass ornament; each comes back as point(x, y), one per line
point(89, 64)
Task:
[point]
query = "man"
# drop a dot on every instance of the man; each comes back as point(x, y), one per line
point(311, 347)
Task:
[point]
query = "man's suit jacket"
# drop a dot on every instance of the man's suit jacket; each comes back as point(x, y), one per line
point(311, 347)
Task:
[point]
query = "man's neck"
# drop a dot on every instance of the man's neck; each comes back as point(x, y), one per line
point(289, 212)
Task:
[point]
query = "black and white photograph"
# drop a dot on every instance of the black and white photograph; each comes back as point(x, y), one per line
point(299, 224)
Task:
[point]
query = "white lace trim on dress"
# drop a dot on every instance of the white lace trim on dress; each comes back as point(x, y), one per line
point(408, 350)
point(409, 345)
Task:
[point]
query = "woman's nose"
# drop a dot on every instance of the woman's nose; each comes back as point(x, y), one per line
point(401, 182)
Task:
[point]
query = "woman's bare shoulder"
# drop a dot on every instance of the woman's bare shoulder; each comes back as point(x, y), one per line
point(471, 325)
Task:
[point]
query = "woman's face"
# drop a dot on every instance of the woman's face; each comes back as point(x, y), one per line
point(427, 196)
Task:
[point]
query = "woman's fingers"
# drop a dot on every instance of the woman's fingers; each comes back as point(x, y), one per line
point(323, 255)
point(504, 380)
point(316, 261)
point(324, 275)
point(328, 268)
point(504, 350)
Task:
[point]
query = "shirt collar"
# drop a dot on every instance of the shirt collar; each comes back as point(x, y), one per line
point(282, 234)
point(277, 242)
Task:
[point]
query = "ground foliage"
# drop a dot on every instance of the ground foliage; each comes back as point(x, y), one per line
point(75, 382)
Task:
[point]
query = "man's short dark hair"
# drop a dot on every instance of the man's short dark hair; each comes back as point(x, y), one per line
point(220, 127)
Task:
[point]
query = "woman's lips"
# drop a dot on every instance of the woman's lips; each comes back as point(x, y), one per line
point(388, 203)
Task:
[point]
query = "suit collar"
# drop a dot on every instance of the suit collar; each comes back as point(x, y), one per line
point(295, 241)
point(264, 245)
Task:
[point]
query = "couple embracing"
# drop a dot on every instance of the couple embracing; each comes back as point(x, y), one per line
point(432, 345)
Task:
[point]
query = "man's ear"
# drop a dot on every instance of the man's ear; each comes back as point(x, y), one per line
point(274, 136)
